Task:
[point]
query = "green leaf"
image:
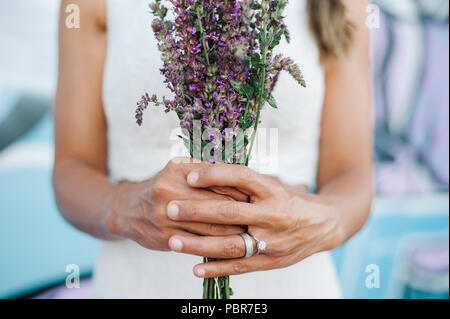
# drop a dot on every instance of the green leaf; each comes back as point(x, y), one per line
point(245, 121)
point(255, 6)
point(256, 59)
point(274, 24)
point(247, 61)
point(256, 81)
point(187, 144)
point(260, 36)
point(248, 90)
point(276, 40)
point(237, 87)
point(287, 35)
point(212, 48)
point(201, 60)
point(243, 89)
point(271, 100)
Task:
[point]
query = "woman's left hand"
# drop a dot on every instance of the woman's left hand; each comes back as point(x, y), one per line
point(293, 226)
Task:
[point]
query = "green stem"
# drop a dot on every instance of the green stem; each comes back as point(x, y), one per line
point(261, 92)
point(217, 288)
point(227, 287)
point(205, 283)
point(205, 288)
point(202, 32)
point(212, 291)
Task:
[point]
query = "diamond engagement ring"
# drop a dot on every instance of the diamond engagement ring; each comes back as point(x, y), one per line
point(248, 240)
point(260, 246)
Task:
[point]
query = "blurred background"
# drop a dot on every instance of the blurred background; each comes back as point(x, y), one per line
point(402, 252)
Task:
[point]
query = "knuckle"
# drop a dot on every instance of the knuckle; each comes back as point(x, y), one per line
point(286, 221)
point(173, 162)
point(163, 190)
point(232, 249)
point(246, 174)
point(282, 221)
point(177, 160)
point(163, 236)
point(210, 173)
point(189, 211)
point(214, 229)
point(159, 189)
point(172, 165)
point(239, 268)
point(278, 248)
point(180, 161)
point(160, 218)
point(230, 210)
point(275, 219)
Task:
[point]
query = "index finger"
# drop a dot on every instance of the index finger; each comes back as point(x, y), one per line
point(217, 212)
point(237, 176)
point(187, 165)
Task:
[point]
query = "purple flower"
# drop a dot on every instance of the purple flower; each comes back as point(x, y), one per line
point(212, 36)
point(217, 61)
point(212, 61)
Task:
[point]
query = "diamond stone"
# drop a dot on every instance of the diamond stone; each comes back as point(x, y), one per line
point(262, 245)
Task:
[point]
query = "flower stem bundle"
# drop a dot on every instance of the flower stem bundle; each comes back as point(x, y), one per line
point(219, 64)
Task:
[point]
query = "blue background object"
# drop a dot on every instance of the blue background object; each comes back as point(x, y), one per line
point(36, 243)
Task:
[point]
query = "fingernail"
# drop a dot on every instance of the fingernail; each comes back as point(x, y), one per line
point(175, 244)
point(200, 272)
point(173, 211)
point(192, 178)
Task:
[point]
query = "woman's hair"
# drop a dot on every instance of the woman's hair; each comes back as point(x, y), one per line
point(329, 24)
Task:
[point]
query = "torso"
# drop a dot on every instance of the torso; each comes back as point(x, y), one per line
point(124, 268)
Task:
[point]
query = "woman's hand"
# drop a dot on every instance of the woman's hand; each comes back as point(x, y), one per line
point(293, 227)
point(139, 212)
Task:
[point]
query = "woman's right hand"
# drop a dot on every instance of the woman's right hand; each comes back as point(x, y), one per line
point(140, 209)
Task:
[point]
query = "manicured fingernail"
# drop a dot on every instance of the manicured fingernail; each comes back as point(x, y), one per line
point(200, 272)
point(192, 178)
point(175, 244)
point(173, 211)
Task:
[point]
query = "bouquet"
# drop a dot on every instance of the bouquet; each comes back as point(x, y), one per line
point(218, 62)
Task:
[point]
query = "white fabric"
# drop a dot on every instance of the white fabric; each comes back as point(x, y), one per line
point(125, 269)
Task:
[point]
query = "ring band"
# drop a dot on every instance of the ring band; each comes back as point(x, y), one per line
point(248, 240)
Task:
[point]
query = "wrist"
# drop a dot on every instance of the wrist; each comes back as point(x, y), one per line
point(337, 227)
point(338, 232)
point(113, 221)
point(331, 217)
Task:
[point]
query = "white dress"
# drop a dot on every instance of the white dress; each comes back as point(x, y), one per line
point(125, 269)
